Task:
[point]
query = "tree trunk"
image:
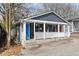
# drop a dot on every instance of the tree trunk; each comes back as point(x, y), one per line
point(9, 27)
point(6, 17)
point(8, 12)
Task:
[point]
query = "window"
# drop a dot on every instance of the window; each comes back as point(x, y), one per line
point(61, 28)
point(39, 27)
point(51, 28)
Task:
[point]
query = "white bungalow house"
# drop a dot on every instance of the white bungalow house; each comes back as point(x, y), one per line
point(43, 26)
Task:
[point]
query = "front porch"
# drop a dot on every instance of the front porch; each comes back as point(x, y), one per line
point(46, 29)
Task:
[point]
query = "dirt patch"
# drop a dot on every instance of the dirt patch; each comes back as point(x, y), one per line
point(37, 45)
point(56, 43)
point(12, 51)
point(34, 46)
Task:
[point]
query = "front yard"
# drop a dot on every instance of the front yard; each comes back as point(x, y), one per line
point(48, 47)
point(11, 51)
point(67, 47)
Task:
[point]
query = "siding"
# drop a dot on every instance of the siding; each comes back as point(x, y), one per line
point(76, 26)
point(40, 35)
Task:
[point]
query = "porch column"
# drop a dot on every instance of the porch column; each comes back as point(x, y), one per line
point(44, 26)
point(20, 32)
point(64, 28)
point(72, 26)
point(58, 29)
point(34, 31)
point(68, 31)
point(23, 35)
point(24, 31)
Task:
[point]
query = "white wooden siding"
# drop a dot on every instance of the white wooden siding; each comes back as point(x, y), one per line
point(51, 34)
point(54, 34)
point(40, 35)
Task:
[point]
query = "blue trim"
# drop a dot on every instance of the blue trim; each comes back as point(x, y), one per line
point(27, 31)
point(18, 33)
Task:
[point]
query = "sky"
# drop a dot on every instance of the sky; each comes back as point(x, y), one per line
point(36, 5)
point(41, 5)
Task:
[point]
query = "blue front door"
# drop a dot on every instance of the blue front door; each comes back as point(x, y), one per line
point(18, 28)
point(27, 31)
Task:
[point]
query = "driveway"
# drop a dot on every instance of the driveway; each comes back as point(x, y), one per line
point(69, 47)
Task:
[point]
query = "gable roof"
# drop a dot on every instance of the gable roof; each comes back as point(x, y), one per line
point(46, 17)
point(49, 16)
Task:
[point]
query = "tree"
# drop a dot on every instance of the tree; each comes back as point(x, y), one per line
point(66, 10)
point(11, 13)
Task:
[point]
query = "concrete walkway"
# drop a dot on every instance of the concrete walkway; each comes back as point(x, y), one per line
point(52, 48)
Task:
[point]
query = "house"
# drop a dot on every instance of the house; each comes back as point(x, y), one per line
point(43, 26)
point(74, 24)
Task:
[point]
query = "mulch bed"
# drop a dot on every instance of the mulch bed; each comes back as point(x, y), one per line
point(12, 51)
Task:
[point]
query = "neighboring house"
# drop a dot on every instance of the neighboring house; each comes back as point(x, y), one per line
point(46, 25)
point(75, 24)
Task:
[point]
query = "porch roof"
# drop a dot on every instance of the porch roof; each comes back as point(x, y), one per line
point(48, 17)
point(41, 21)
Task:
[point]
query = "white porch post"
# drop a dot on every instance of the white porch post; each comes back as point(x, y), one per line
point(68, 31)
point(58, 29)
point(24, 30)
point(64, 28)
point(20, 32)
point(23, 35)
point(44, 26)
point(34, 30)
point(72, 26)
